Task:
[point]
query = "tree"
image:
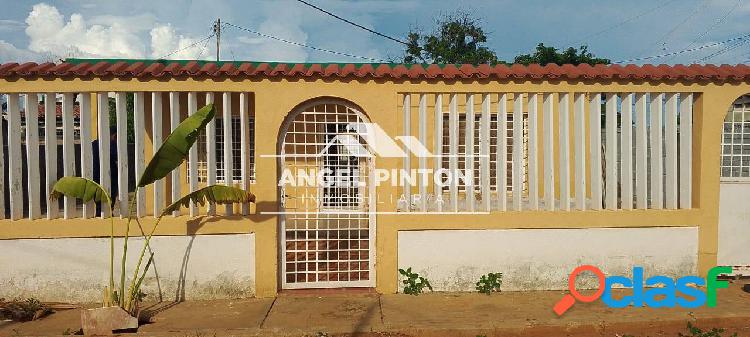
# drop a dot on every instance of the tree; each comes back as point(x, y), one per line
point(458, 39)
point(544, 55)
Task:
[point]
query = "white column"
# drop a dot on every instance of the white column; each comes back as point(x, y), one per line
point(15, 172)
point(193, 154)
point(686, 146)
point(438, 150)
point(670, 140)
point(139, 127)
point(2, 177)
point(626, 152)
point(611, 152)
point(245, 147)
point(533, 156)
point(549, 159)
point(579, 110)
point(211, 152)
point(517, 151)
point(87, 156)
point(657, 157)
point(484, 152)
point(69, 161)
point(453, 150)
point(122, 153)
point(50, 152)
point(103, 134)
point(565, 151)
point(174, 122)
point(595, 132)
point(641, 151)
point(422, 159)
point(469, 154)
point(228, 160)
point(501, 167)
point(32, 155)
point(156, 141)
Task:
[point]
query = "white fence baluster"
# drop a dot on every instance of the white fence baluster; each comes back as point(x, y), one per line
point(670, 140)
point(193, 154)
point(422, 159)
point(211, 152)
point(518, 163)
point(122, 153)
point(549, 143)
point(32, 155)
point(103, 135)
point(501, 167)
point(484, 152)
point(564, 151)
point(50, 152)
point(579, 111)
point(610, 159)
point(69, 161)
point(139, 128)
point(87, 156)
point(686, 146)
point(595, 132)
point(657, 159)
point(438, 150)
point(453, 150)
point(244, 147)
point(533, 156)
point(174, 121)
point(626, 152)
point(2, 176)
point(470, 154)
point(156, 141)
point(641, 151)
point(15, 172)
point(228, 158)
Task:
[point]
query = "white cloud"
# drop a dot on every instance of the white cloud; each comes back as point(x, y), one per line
point(9, 53)
point(285, 24)
point(165, 41)
point(48, 32)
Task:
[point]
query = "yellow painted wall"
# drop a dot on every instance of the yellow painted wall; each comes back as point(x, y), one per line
point(380, 100)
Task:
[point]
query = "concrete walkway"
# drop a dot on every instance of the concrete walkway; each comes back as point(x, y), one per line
point(432, 314)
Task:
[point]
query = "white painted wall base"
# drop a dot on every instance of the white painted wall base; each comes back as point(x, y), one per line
point(734, 224)
point(542, 259)
point(76, 270)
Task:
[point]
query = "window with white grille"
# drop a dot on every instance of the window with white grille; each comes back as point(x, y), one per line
point(735, 142)
point(461, 160)
point(236, 151)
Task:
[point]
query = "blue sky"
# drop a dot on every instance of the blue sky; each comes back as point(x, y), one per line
point(619, 30)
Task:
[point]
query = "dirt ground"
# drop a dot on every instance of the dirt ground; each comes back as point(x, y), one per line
point(432, 314)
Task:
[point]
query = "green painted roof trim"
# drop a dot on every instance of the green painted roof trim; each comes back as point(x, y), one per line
point(236, 63)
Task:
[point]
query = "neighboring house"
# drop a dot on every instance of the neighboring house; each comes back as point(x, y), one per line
point(560, 166)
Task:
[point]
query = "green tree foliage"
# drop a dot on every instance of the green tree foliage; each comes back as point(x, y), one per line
point(544, 55)
point(458, 39)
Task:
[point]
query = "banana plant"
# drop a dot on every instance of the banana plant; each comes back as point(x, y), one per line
point(169, 156)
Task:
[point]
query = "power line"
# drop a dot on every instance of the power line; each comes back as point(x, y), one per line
point(738, 38)
point(188, 47)
point(626, 21)
point(352, 23)
point(714, 25)
point(303, 45)
point(722, 51)
point(662, 40)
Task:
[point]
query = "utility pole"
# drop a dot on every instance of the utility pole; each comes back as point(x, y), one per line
point(217, 32)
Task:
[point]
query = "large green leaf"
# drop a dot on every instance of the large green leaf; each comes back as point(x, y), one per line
point(79, 188)
point(175, 148)
point(219, 194)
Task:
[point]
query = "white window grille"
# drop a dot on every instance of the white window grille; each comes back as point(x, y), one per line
point(735, 143)
point(236, 151)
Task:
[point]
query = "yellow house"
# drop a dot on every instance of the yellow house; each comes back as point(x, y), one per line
point(362, 169)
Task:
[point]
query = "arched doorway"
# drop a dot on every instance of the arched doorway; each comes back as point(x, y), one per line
point(327, 227)
point(734, 215)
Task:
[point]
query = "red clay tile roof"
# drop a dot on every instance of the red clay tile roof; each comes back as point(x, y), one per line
point(186, 68)
point(58, 110)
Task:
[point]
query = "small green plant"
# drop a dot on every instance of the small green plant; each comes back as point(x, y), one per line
point(697, 332)
point(489, 283)
point(413, 283)
point(71, 332)
point(23, 310)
